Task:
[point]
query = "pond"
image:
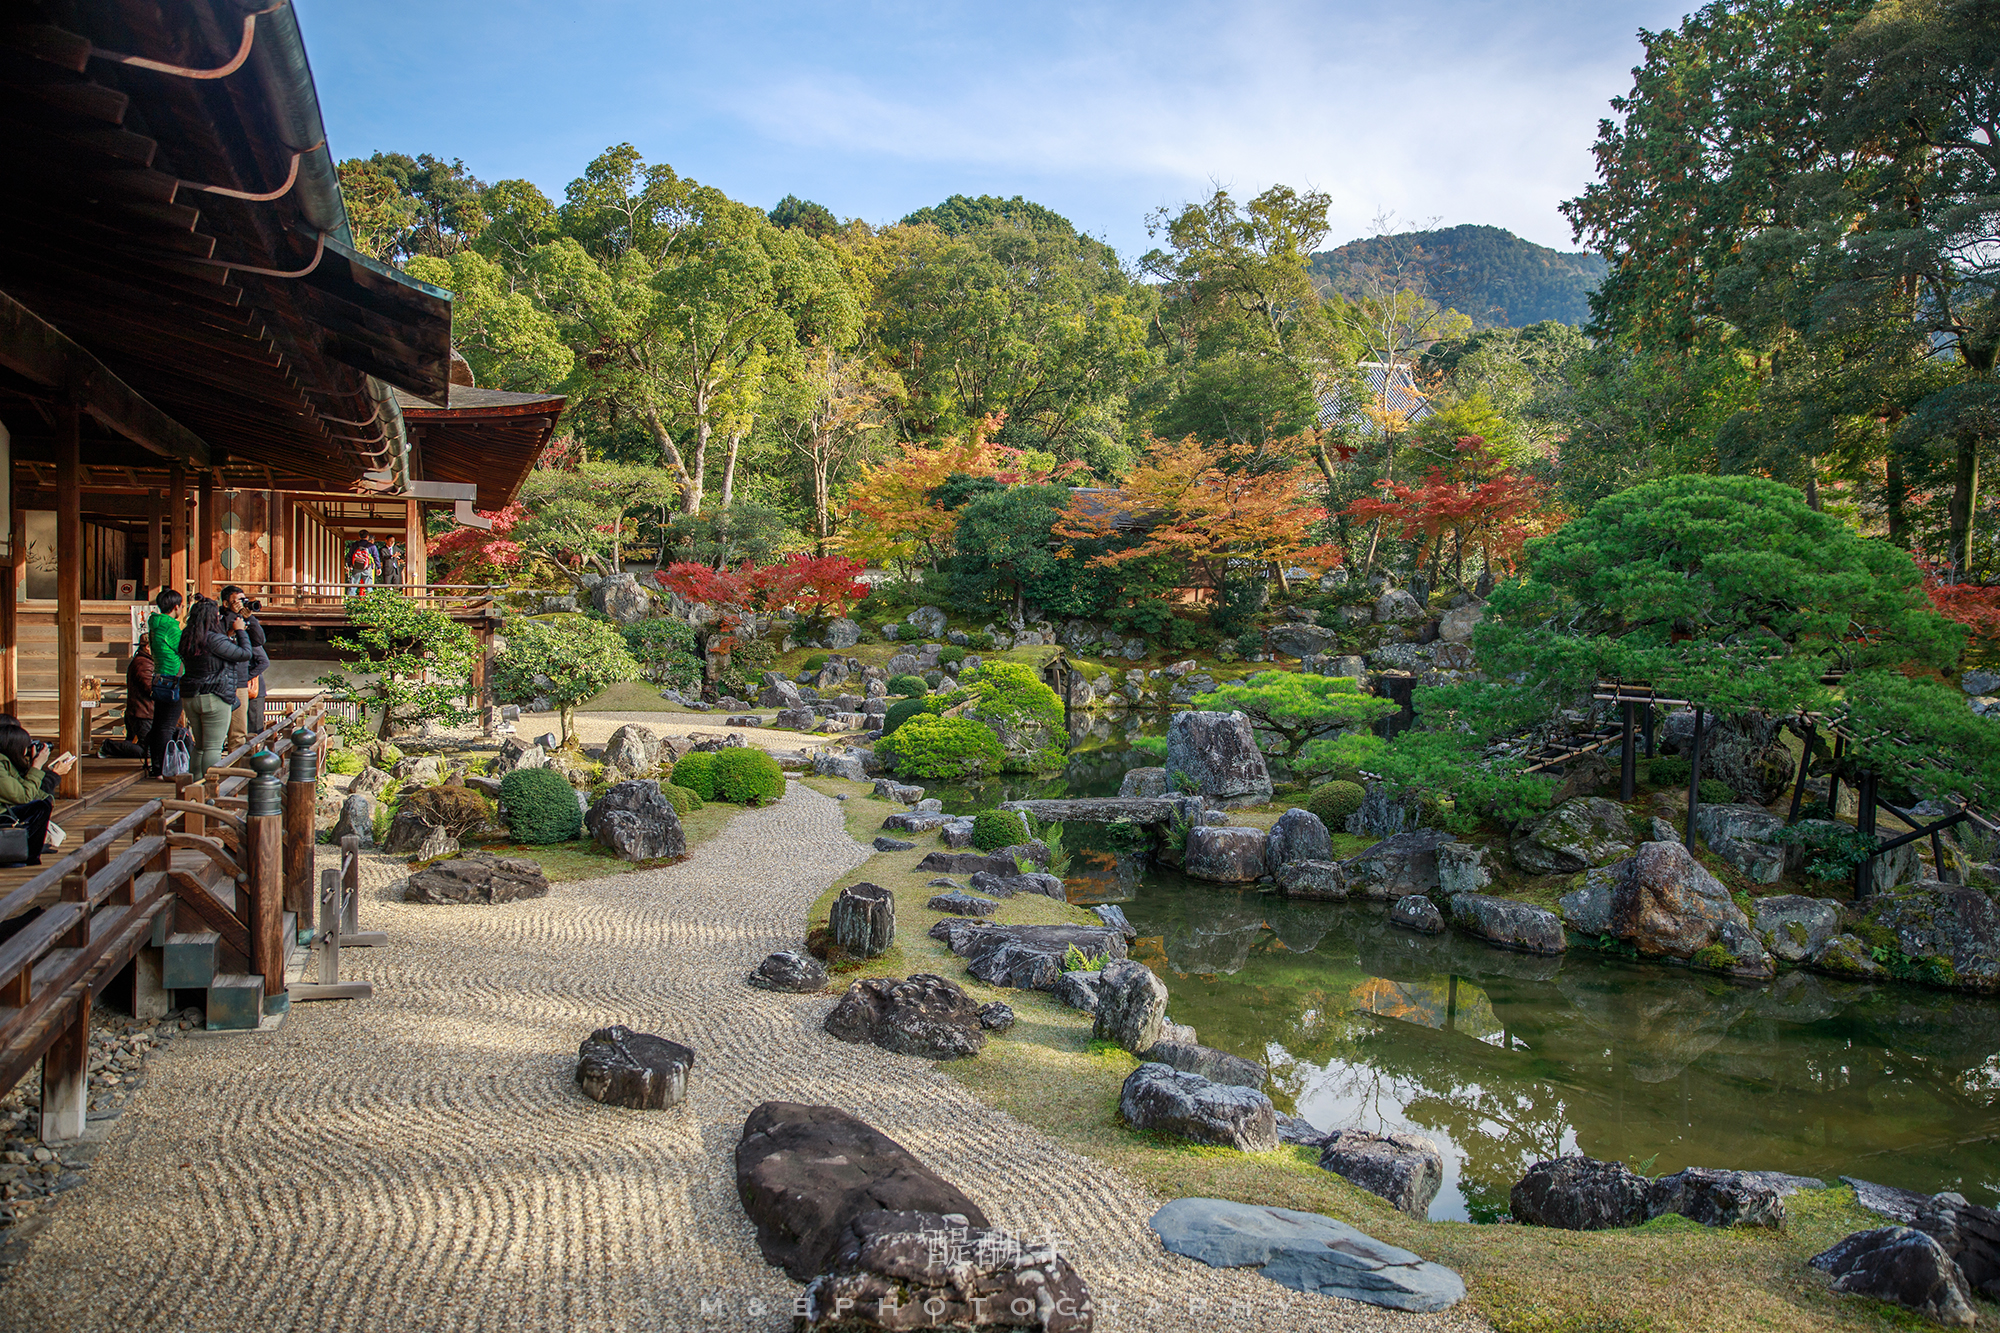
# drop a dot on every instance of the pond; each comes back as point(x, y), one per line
point(1504, 1059)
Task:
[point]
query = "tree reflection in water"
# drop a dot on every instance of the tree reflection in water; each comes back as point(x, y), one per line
point(1505, 1059)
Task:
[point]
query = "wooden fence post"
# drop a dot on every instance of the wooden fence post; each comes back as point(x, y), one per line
point(1694, 779)
point(1805, 768)
point(1628, 757)
point(1864, 822)
point(66, 1065)
point(301, 796)
point(266, 864)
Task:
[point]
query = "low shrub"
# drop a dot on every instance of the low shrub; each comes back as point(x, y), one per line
point(891, 633)
point(948, 748)
point(1714, 791)
point(747, 776)
point(697, 773)
point(1249, 643)
point(453, 807)
point(345, 762)
point(994, 829)
point(1669, 771)
point(541, 806)
point(900, 712)
point(683, 800)
point(1334, 801)
point(909, 687)
point(1076, 960)
point(815, 662)
point(387, 755)
point(950, 655)
point(982, 641)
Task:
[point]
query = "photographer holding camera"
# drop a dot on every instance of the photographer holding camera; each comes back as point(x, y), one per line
point(247, 718)
point(28, 772)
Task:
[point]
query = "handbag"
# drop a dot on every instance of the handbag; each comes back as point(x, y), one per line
point(13, 838)
point(175, 760)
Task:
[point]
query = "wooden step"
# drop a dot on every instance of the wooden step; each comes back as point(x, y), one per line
point(235, 1002)
point(187, 960)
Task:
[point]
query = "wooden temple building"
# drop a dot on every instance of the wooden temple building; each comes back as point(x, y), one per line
point(202, 382)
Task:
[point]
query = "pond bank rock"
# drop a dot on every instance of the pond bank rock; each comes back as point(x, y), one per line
point(1213, 1065)
point(807, 1173)
point(1224, 855)
point(1796, 928)
point(1219, 753)
point(1663, 903)
point(1298, 835)
point(1969, 1232)
point(1951, 931)
point(1024, 957)
point(1904, 1267)
point(1580, 833)
point(925, 1016)
point(1160, 1097)
point(1746, 837)
point(957, 903)
point(1000, 862)
point(1399, 865)
point(1418, 913)
point(1306, 1252)
point(1580, 1194)
point(1405, 1169)
point(637, 1070)
point(1726, 1198)
point(479, 878)
point(1008, 885)
point(1508, 924)
point(1315, 881)
point(1131, 1005)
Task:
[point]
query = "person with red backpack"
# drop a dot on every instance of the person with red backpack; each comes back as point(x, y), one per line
point(364, 561)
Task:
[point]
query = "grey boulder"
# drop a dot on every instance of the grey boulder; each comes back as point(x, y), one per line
point(1306, 1252)
point(1317, 881)
point(620, 1067)
point(996, 1017)
point(1224, 855)
point(1078, 990)
point(1213, 1065)
point(632, 749)
point(1796, 928)
point(1405, 1169)
point(791, 971)
point(1582, 832)
point(1143, 782)
point(959, 903)
point(884, 843)
point(1724, 1198)
point(925, 1016)
point(1746, 837)
point(1581, 1194)
point(1402, 864)
point(1418, 913)
point(1218, 753)
point(635, 821)
point(479, 878)
point(1904, 1267)
point(1159, 1097)
point(1508, 924)
point(1298, 835)
point(1131, 1005)
point(1007, 886)
point(357, 820)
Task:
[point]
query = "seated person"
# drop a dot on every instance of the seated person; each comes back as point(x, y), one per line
point(28, 772)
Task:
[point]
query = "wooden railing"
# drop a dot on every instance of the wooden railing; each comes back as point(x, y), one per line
point(251, 829)
point(331, 597)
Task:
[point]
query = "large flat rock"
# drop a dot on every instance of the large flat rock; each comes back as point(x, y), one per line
point(1306, 1252)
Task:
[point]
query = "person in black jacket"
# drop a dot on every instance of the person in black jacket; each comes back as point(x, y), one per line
point(247, 718)
point(212, 645)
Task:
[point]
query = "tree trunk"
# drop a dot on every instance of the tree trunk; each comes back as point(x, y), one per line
point(1895, 494)
point(729, 468)
point(670, 454)
point(1964, 501)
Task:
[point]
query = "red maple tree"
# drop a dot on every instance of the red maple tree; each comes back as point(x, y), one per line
point(1474, 502)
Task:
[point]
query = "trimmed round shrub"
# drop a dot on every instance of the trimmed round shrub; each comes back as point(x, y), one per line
point(683, 800)
point(697, 773)
point(541, 806)
point(747, 777)
point(910, 687)
point(900, 712)
point(1334, 801)
point(1669, 771)
point(347, 763)
point(993, 829)
point(949, 748)
point(950, 655)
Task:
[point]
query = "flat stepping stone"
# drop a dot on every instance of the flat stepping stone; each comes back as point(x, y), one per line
point(963, 904)
point(1306, 1252)
point(620, 1067)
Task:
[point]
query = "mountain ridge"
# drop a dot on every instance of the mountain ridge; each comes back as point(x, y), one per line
point(1486, 272)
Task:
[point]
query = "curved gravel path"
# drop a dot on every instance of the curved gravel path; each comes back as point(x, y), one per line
point(423, 1160)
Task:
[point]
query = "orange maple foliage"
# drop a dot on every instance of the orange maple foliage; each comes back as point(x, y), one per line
point(1474, 502)
point(1208, 507)
point(893, 517)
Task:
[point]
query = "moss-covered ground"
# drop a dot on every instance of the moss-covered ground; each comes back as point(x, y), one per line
point(1669, 1275)
point(583, 859)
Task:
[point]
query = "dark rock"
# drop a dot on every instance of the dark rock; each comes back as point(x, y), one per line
point(887, 844)
point(1318, 881)
point(1418, 913)
point(1509, 924)
point(1663, 902)
point(1298, 640)
point(1131, 1005)
point(1006, 886)
point(1023, 957)
point(1405, 1169)
point(1904, 1267)
point(806, 1174)
point(1224, 855)
point(789, 970)
point(1213, 1065)
point(636, 822)
point(1218, 753)
point(1298, 835)
point(957, 832)
point(1306, 1252)
point(963, 904)
point(357, 820)
point(1462, 868)
point(996, 1017)
point(1743, 750)
point(917, 821)
point(893, 1273)
point(1952, 931)
point(1969, 1232)
point(478, 878)
point(925, 1016)
point(891, 790)
point(1581, 1194)
point(1397, 866)
point(971, 863)
point(863, 920)
point(1159, 1097)
point(942, 884)
point(1294, 1130)
point(1746, 837)
point(410, 833)
point(620, 1067)
point(1720, 1198)
point(1578, 834)
point(1382, 815)
point(782, 695)
point(1114, 916)
point(1795, 928)
point(1078, 990)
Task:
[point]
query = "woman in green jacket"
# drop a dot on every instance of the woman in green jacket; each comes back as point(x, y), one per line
point(28, 773)
point(163, 631)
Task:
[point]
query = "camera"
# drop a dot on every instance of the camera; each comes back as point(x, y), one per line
point(252, 604)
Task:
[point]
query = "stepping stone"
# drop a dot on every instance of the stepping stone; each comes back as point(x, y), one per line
point(963, 904)
point(1306, 1252)
point(888, 844)
point(620, 1067)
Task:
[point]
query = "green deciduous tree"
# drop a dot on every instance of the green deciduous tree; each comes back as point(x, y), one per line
point(416, 662)
point(566, 660)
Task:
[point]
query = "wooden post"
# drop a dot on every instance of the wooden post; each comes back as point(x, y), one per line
point(1805, 764)
point(1694, 781)
point(156, 565)
point(1833, 780)
point(66, 1066)
point(205, 530)
point(1864, 820)
point(265, 860)
point(10, 658)
point(282, 557)
point(177, 510)
point(1628, 757)
point(350, 883)
point(1649, 731)
point(413, 542)
point(69, 596)
point(300, 792)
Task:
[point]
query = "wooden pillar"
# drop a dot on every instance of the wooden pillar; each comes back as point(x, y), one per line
point(156, 554)
point(280, 518)
point(301, 789)
point(10, 634)
point(415, 558)
point(1805, 766)
point(66, 1066)
point(205, 521)
point(1694, 779)
point(1864, 821)
point(177, 510)
point(69, 596)
point(264, 858)
point(1628, 765)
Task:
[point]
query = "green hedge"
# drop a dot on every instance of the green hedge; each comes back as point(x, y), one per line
point(1668, 771)
point(950, 748)
point(697, 774)
point(950, 655)
point(541, 806)
point(992, 829)
point(1334, 801)
point(900, 712)
point(683, 800)
point(909, 687)
point(347, 763)
point(747, 777)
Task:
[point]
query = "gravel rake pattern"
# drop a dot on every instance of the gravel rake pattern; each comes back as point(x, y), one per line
point(424, 1161)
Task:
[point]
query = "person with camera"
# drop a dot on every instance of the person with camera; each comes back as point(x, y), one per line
point(163, 632)
point(247, 718)
point(28, 772)
point(214, 643)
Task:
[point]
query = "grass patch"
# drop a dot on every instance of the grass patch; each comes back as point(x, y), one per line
point(583, 859)
point(630, 696)
point(1669, 1275)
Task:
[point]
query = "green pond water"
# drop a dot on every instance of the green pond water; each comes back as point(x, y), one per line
point(1504, 1059)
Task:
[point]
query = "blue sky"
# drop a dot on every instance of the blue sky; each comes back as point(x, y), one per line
point(1447, 110)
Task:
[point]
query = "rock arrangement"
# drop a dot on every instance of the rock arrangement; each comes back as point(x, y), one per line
point(863, 920)
point(925, 1016)
point(1131, 1006)
point(479, 878)
point(1903, 1266)
point(1306, 1252)
point(1218, 753)
point(1028, 957)
point(1583, 1194)
point(620, 1067)
point(635, 821)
